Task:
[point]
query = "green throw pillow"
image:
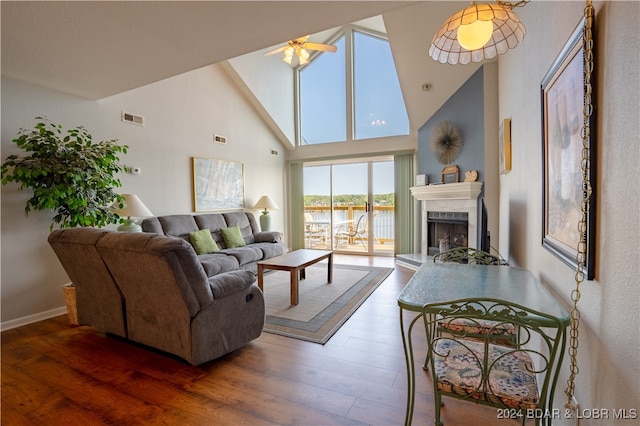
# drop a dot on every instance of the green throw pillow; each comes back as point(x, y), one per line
point(203, 242)
point(232, 237)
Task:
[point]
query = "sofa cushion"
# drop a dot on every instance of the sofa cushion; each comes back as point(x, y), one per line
point(217, 263)
point(244, 255)
point(232, 237)
point(203, 242)
point(269, 250)
point(178, 225)
point(245, 221)
point(230, 282)
point(213, 222)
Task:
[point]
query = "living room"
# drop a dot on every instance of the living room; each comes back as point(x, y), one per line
point(182, 113)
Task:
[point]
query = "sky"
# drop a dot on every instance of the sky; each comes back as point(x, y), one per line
point(379, 106)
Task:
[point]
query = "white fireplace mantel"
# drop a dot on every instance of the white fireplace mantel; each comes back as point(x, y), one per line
point(450, 197)
point(447, 191)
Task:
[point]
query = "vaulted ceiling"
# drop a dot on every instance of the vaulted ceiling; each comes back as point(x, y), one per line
point(99, 49)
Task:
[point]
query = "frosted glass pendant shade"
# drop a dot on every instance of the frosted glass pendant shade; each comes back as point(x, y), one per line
point(508, 31)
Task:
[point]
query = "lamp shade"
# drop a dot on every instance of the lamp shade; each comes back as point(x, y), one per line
point(265, 202)
point(508, 31)
point(133, 207)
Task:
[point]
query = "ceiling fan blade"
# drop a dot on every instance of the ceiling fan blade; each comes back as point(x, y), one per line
point(278, 50)
point(322, 47)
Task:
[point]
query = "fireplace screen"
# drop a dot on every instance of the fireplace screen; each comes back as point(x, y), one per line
point(447, 230)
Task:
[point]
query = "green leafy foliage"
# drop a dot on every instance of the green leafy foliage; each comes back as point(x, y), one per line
point(349, 199)
point(68, 173)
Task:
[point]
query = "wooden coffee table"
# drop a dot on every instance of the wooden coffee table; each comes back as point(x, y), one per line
point(295, 262)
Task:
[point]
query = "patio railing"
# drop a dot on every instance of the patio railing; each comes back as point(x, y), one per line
point(383, 223)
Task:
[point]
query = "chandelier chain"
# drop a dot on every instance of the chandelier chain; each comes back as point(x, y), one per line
point(512, 4)
point(585, 205)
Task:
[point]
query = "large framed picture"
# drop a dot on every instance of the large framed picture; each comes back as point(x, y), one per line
point(563, 121)
point(217, 185)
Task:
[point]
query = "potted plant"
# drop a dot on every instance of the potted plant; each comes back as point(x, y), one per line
point(69, 174)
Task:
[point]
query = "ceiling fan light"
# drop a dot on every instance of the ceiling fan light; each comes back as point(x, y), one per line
point(288, 55)
point(303, 57)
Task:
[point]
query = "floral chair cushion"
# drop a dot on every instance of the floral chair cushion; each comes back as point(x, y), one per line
point(459, 367)
point(478, 326)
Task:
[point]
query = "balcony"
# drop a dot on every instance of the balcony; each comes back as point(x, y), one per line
point(344, 216)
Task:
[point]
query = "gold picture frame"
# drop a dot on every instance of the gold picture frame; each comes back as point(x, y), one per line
point(217, 184)
point(505, 146)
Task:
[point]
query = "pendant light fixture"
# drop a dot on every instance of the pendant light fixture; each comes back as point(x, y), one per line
point(477, 33)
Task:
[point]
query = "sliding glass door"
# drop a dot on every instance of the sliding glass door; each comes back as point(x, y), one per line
point(349, 206)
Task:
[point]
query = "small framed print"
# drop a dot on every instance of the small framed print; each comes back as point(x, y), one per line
point(421, 180)
point(505, 146)
point(450, 174)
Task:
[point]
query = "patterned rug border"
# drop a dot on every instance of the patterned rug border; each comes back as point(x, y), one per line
point(324, 325)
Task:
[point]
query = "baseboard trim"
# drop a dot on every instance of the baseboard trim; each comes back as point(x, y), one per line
point(30, 319)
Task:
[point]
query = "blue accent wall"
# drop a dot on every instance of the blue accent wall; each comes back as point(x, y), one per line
point(466, 110)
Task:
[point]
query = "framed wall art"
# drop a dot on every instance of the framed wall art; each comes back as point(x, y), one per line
point(504, 144)
point(217, 184)
point(563, 121)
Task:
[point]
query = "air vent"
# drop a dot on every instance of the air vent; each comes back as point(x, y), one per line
point(219, 139)
point(127, 117)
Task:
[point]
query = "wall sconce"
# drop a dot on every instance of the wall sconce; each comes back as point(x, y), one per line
point(478, 32)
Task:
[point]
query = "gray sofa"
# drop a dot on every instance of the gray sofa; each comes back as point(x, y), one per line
point(259, 245)
point(152, 289)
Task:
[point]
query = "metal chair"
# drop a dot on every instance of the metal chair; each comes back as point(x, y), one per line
point(469, 255)
point(520, 379)
point(352, 232)
point(314, 233)
point(504, 333)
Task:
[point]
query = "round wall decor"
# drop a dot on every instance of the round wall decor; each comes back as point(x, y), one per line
point(446, 143)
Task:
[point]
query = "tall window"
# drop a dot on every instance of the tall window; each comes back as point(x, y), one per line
point(324, 90)
point(351, 94)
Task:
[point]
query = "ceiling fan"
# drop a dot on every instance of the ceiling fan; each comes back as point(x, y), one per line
point(300, 47)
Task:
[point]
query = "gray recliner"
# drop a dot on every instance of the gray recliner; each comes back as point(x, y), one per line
point(169, 302)
point(99, 301)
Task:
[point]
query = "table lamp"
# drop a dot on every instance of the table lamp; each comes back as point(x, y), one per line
point(266, 203)
point(133, 207)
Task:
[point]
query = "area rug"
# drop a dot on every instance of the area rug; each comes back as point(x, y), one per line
point(323, 308)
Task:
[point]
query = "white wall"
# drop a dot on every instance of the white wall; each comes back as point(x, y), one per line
point(182, 114)
point(609, 359)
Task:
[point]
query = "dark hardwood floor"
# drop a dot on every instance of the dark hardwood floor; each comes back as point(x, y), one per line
point(53, 373)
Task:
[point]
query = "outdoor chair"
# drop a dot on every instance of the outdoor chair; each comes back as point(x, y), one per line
point(520, 379)
point(315, 233)
point(349, 233)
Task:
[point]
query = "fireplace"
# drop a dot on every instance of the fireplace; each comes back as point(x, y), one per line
point(446, 230)
point(450, 209)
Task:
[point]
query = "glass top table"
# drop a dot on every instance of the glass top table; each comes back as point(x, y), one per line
point(441, 282)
